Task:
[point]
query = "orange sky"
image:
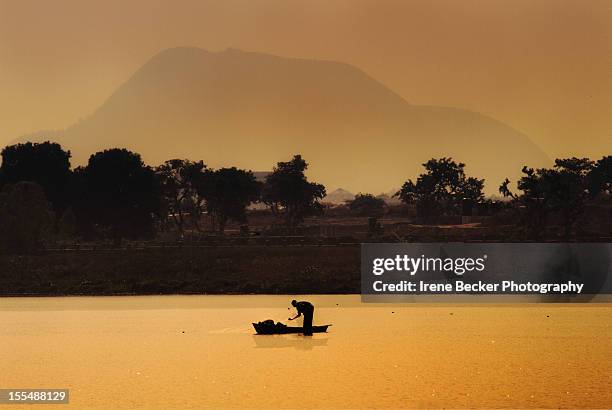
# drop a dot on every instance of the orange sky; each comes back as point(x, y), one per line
point(544, 67)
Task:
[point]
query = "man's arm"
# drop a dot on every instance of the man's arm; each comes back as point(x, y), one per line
point(296, 316)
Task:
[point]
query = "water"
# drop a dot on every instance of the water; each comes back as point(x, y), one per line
point(192, 352)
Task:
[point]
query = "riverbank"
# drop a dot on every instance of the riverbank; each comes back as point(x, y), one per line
point(186, 270)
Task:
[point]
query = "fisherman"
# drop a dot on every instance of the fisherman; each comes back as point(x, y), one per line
point(306, 309)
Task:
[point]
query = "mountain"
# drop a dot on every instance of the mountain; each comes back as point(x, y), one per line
point(251, 110)
point(338, 197)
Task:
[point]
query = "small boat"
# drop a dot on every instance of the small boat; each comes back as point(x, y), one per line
point(271, 328)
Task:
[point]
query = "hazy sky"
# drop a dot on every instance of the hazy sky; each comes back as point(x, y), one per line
point(544, 67)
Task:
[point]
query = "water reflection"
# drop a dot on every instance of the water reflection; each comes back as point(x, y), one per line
point(297, 342)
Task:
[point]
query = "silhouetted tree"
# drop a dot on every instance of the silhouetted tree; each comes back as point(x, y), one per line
point(366, 204)
point(563, 190)
point(80, 204)
point(442, 189)
point(288, 191)
point(122, 194)
point(25, 217)
point(67, 225)
point(228, 192)
point(179, 180)
point(45, 163)
point(600, 177)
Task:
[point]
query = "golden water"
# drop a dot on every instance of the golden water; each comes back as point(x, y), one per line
point(193, 352)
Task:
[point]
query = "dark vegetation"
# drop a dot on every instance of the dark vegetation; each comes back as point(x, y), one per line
point(288, 192)
point(442, 189)
point(367, 205)
point(117, 225)
point(184, 270)
point(116, 196)
point(562, 192)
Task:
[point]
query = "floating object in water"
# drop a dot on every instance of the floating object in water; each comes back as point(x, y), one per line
point(268, 327)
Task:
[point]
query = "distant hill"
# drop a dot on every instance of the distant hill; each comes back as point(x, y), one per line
point(252, 110)
point(338, 197)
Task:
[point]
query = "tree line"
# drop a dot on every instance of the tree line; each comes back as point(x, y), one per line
point(563, 190)
point(116, 195)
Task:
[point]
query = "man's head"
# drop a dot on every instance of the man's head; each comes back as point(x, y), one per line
point(293, 302)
